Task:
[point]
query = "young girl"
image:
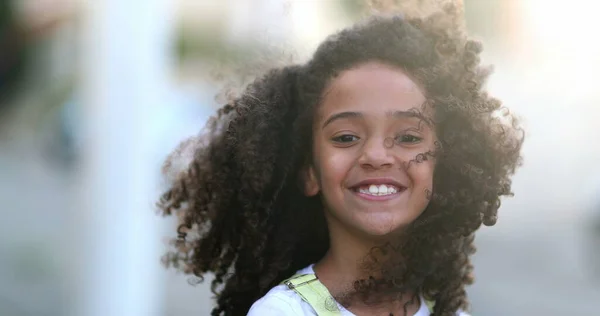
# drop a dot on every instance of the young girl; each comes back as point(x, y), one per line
point(352, 184)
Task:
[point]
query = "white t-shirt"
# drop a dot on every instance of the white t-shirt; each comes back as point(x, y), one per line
point(282, 301)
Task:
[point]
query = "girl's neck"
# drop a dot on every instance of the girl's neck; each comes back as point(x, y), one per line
point(345, 260)
point(342, 265)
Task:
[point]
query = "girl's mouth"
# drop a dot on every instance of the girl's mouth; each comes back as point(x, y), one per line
point(379, 191)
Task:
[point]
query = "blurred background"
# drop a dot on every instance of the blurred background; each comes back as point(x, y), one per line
point(95, 94)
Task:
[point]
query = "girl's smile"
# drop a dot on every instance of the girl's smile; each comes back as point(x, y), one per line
point(378, 189)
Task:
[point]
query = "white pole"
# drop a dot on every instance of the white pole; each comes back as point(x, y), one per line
point(126, 59)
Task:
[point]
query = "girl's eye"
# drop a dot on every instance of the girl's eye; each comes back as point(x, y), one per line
point(408, 139)
point(345, 139)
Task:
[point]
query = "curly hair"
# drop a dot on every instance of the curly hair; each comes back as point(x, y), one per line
point(245, 217)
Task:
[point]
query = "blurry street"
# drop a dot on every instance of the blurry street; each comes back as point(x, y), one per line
point(541, 258)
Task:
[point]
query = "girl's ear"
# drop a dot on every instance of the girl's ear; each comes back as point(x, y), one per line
point(310, 182)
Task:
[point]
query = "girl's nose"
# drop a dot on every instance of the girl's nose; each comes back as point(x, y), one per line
point(375, 154)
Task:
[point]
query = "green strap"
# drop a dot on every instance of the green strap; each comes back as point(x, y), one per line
point(430, 305)
point(314, 293)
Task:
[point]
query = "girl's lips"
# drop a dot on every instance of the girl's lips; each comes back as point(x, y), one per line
point(378, 181)
point(388, 182)
point(370, 197)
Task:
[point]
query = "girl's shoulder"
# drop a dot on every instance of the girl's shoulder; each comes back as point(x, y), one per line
point(280, 300)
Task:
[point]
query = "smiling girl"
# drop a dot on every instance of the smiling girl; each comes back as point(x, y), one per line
point(352, 184)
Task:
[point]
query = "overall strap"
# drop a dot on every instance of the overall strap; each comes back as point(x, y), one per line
point(312, 291)
point(430, 305)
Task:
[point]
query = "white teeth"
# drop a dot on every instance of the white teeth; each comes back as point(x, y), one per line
point(378, 189)
point(373, 189)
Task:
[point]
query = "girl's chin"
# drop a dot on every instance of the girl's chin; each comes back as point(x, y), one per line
point(383, 224)
point(383, 231)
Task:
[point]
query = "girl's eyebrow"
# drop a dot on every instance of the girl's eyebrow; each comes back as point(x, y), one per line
point(341, 115)
point(395, 114)
point(413, 113)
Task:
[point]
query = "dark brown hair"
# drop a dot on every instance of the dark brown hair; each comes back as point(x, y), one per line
point(246, 219)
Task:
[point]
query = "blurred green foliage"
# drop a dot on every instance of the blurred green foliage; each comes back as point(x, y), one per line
point(208, 46)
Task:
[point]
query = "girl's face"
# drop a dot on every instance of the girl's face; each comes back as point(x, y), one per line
point(368, 132)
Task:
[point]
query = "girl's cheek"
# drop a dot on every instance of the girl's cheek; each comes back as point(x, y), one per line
point(422, 173)
point(334, 165)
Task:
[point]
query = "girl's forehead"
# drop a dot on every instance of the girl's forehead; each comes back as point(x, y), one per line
point(372, 87)
point(376, 73)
